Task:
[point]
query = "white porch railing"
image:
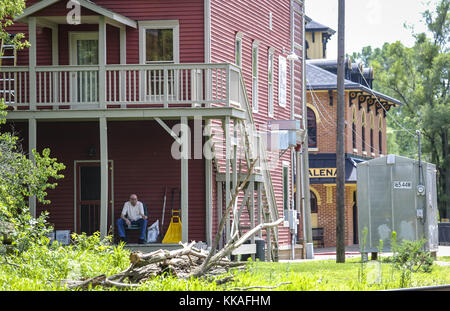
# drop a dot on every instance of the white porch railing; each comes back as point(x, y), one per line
point(120, 86)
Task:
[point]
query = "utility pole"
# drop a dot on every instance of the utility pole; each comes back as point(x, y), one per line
point(340, 156)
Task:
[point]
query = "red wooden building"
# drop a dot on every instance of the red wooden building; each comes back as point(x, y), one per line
point(114, 88)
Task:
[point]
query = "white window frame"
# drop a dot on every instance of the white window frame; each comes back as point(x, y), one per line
point(238, 49)
point(270, 88)
point(161, 24)
point(255, 64)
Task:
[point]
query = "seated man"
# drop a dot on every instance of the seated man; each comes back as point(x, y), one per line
point(132, 214)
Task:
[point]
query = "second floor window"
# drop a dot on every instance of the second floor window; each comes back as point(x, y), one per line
point(380, 135)
point(238, 49)
point(312, 129)
point(159, 41)
point(159, 45)
point(363, 131)
point(270, 82)
point(255, 76)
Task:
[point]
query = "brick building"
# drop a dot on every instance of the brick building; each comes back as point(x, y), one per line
point(365, 134)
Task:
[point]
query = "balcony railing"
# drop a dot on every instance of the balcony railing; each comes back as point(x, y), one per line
point(120, 86)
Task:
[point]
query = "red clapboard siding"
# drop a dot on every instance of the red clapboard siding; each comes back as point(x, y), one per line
point(252, 19)
point(142, 164)
point(188, 13)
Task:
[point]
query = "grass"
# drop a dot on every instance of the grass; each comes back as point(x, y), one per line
point(43, 267)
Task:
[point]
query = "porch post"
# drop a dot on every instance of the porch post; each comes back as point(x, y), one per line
point(32, 142)
point(184, 180)
point(226, 127)
point(219, 209)
point(123, 61)
point(55, 62)
point(32, 61)
point(103, 177)
point(102, 61)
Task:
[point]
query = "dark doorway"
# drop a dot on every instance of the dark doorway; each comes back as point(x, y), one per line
point(89, 198)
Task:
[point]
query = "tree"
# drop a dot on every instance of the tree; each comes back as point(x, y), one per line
point(21, 177)
point(419, 76)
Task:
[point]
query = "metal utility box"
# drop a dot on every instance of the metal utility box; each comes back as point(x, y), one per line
point(393, 196)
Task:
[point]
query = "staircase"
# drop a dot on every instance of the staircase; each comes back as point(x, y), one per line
point(248, 132)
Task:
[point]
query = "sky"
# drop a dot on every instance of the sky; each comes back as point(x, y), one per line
point(370, 22)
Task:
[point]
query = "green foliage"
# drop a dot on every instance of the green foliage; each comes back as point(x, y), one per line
point(419, 76)
point(43, 265)
point(9, 9)
point(21, 178)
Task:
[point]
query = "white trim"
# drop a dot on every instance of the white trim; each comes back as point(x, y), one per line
point(159, 24)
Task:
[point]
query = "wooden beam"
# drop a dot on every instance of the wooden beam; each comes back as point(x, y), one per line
point(169, 130)
point(103, 176)
point(184, 181)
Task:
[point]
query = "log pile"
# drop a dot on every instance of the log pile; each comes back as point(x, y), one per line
point(183, 263)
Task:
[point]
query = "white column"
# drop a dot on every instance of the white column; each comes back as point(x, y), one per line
point(103, 177)
point(184, 180)
point(55, 62)
point(226, 127)
point(32, 61)
point(102, 61)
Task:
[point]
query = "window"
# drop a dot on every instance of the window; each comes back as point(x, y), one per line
point(363, 131)
point(158, 45)
point(159, 41)
point(313, 202)
point(371, 133)
point(354, 127)
point(380, 135)
point(286, 186)
point(270, 81)
point(312, 128)
point(255, 76)
point(238, 49)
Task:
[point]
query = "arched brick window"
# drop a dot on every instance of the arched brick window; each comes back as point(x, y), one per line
point(313, 202)
point(312, 129)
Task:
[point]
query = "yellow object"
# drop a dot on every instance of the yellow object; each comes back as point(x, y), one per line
point(173, 234)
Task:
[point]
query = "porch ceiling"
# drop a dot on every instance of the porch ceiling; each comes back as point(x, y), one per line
point(111, 16)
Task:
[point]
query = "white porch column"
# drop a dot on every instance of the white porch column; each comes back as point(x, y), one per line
point(226, 127)
point(102, 61)
point(103, 177)
point(55, 62)
point(123, 61)
point(184, 180)
point(32, 61)
point(32, 142)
